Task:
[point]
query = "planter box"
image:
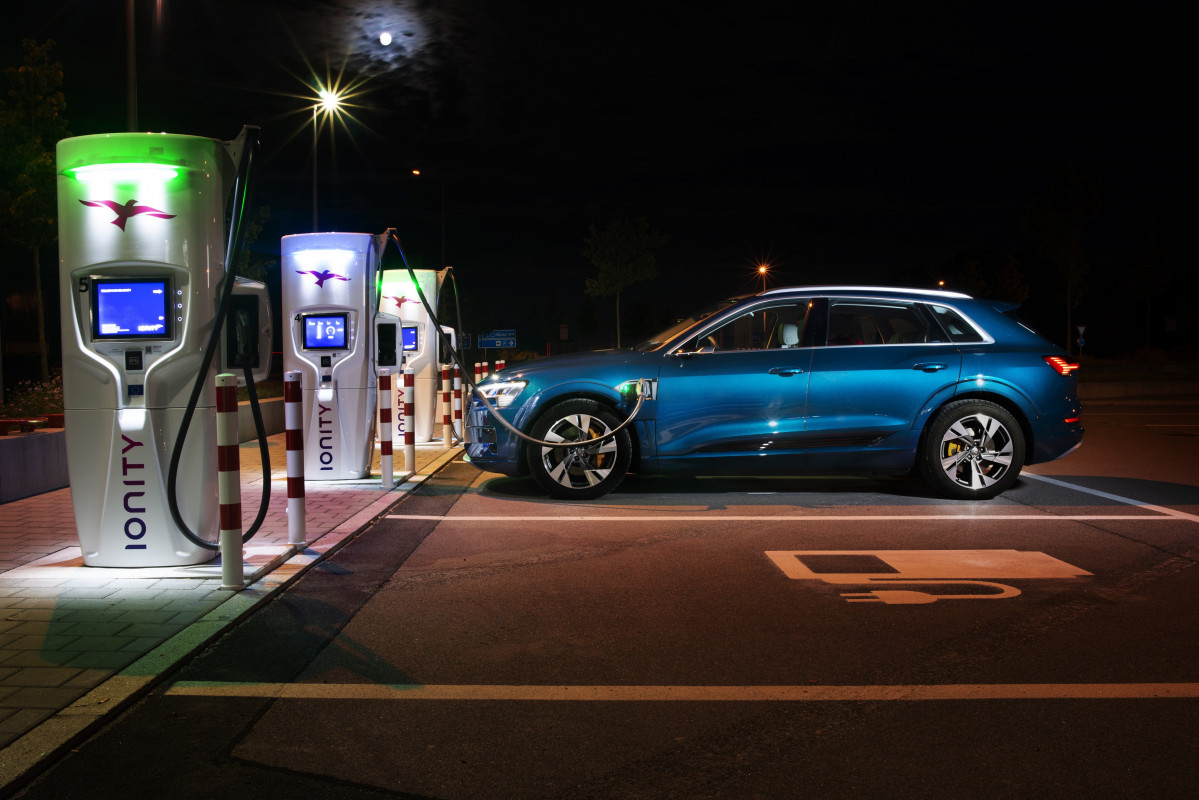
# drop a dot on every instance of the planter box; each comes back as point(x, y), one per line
point(34, 463)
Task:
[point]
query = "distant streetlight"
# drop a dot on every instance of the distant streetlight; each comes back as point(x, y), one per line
point(762, 270)
point(417, 173)
point(328, 104)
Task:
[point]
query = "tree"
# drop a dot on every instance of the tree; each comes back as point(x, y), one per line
point(623, 253)
point(1059, 221)
point(31, 123)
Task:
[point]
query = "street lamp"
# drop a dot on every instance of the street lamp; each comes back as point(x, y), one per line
point(329, 105)
point(417, 173)
point(762, 269)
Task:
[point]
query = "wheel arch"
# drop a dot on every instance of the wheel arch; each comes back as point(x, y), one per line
point(1003, 401)
point(603, 395)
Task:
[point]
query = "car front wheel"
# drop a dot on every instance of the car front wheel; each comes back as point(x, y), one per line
point(973, 450)
point(580, 471)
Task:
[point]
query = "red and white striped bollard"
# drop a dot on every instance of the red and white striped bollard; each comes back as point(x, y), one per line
point(228, 464)
point(457, 403)
point(409, 422)
point(293, 423)
point(386, 463)
point(447, 425)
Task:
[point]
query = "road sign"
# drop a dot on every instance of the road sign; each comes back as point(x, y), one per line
point(463, 340)
point(506, 333)
point(496, 342)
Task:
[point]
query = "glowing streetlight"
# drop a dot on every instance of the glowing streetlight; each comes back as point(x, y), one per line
point(762, 270)
point(328, 104)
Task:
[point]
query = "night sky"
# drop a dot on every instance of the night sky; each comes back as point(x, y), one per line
point(849, 141)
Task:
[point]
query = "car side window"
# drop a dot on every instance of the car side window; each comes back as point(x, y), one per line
point(859, 321)
point(769, 328)
point(960, 331)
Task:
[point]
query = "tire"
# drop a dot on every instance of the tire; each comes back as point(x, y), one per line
point(584, 472)
point(972, 450)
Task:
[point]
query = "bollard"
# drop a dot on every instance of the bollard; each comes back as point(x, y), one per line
point(228, 460)
point(386, 464)
point(478, 373)
point(485, 371)
point(457, 403)
point(293, 423)
point(447, 425)
point(500, 364)
point(409, 422)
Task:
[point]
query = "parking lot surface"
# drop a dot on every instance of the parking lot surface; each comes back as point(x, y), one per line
point(716, 637)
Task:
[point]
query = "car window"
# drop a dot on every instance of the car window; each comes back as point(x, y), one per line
point(959, 330)
point(761, 328)
point(682, 325)
point(858, 321)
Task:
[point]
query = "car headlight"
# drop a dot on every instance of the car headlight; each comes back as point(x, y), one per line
point(503, 393)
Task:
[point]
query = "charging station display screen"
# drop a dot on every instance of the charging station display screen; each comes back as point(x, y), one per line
point(131, 309)
point(411, 342)
point(325, 332)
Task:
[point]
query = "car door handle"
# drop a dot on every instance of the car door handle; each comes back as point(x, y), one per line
point(930, 367)
point(785, 371)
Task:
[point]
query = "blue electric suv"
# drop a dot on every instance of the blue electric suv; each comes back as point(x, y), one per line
point(809, 380)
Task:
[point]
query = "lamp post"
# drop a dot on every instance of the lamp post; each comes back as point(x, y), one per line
point(417, 173)
point(762, 269)
point(330, 104)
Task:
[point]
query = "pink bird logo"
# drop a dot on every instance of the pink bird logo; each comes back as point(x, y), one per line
point(399, 300)
point(129, 209)
point(321, 276)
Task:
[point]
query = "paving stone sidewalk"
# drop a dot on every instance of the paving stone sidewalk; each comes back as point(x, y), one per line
point(77, 642)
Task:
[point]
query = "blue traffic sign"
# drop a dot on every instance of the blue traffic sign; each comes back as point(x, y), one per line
point(496, 342)
point(506, 333)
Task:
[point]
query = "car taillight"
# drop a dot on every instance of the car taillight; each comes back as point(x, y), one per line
point(1061, 365)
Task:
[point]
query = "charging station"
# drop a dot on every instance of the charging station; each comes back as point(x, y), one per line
point(399, 298)
point(330, 300)
point(141, 259)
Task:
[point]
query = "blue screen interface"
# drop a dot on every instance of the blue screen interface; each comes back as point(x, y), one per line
point(133, 309)
point(325, 332)
point(410, 340)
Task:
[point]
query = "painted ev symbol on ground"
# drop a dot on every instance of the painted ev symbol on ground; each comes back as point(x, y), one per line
point(921, 567)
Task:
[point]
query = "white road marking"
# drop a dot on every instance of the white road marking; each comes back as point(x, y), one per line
point(700, 517)
point(1108, 496)
point(593, 693)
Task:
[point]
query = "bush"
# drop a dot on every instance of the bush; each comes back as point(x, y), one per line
point(30, 399)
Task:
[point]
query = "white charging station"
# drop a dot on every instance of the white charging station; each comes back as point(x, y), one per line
point(329, 311)
point(141, 258)
point(399, 298)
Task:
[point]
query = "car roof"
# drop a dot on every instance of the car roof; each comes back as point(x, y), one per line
point(849, 290)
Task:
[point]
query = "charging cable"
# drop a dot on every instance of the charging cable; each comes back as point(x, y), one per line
point(233, 248)
point(641, 389)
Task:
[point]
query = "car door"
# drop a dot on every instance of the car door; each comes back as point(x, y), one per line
point(885, 364)
point(732, 399)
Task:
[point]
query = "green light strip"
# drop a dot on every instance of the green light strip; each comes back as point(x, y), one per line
point(129, 171)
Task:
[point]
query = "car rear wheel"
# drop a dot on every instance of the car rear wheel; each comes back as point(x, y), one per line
point(973, 450)
point(583, 471)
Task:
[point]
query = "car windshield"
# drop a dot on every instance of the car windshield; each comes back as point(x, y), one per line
point(661, 338)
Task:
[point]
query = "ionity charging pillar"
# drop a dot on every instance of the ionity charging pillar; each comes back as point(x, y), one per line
point(329, 304)
point(399, 298)
point(141, 257)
